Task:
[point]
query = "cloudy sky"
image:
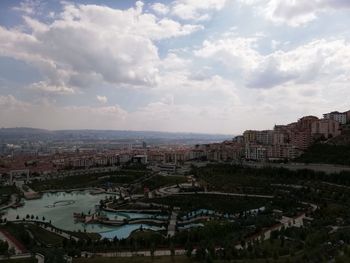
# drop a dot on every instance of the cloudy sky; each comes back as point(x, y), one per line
point(213, 66)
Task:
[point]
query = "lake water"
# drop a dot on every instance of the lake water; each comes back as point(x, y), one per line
point(59, 208)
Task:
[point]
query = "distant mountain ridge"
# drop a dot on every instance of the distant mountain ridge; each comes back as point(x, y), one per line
point(25, 133)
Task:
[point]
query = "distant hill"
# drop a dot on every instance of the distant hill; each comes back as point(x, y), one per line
point(23, 133)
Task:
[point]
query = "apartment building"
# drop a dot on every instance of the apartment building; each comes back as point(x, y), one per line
point(255, 152)
point(326, 128)
point(300, 133)
point(265, 137)
point(249, 136)
point(282, 151)
point(341, 117)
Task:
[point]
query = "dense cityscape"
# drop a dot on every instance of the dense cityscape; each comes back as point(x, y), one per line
point(283, 143)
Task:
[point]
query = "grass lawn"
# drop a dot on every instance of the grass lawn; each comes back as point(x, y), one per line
point(165, 259)
point(45, 236)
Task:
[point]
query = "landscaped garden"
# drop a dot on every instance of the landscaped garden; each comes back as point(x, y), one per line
point(227, 226)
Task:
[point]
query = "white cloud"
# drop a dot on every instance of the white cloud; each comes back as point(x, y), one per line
point(163, 115)
point(28, 6)
point(102, 99)
point(50, 116)
point(160, 8)
point(180, 76)
point(196, 9)
point(45, 88)
point(319, 59)
point(174, 62)
point(168, 116)
point(275, 44)
point(322, 60)
point(296, 12)
point(231, 51)
point(9, 102)
point(91, 43)
point(227, 84)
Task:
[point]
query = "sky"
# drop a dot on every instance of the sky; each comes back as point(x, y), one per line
point(213, 66)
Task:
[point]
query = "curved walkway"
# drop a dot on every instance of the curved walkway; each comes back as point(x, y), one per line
point(39, 257)
point(226, 194)
point(12, 242)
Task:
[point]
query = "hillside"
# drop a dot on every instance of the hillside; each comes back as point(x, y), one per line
point(327, 153)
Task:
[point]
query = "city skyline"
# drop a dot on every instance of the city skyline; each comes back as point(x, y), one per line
point(222, 66)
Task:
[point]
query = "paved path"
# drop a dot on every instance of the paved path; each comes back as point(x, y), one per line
point(146, 253)
point(226, 194)
point(172, 223)
point(170, 190)
point(40, 258)
point(12, 242)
